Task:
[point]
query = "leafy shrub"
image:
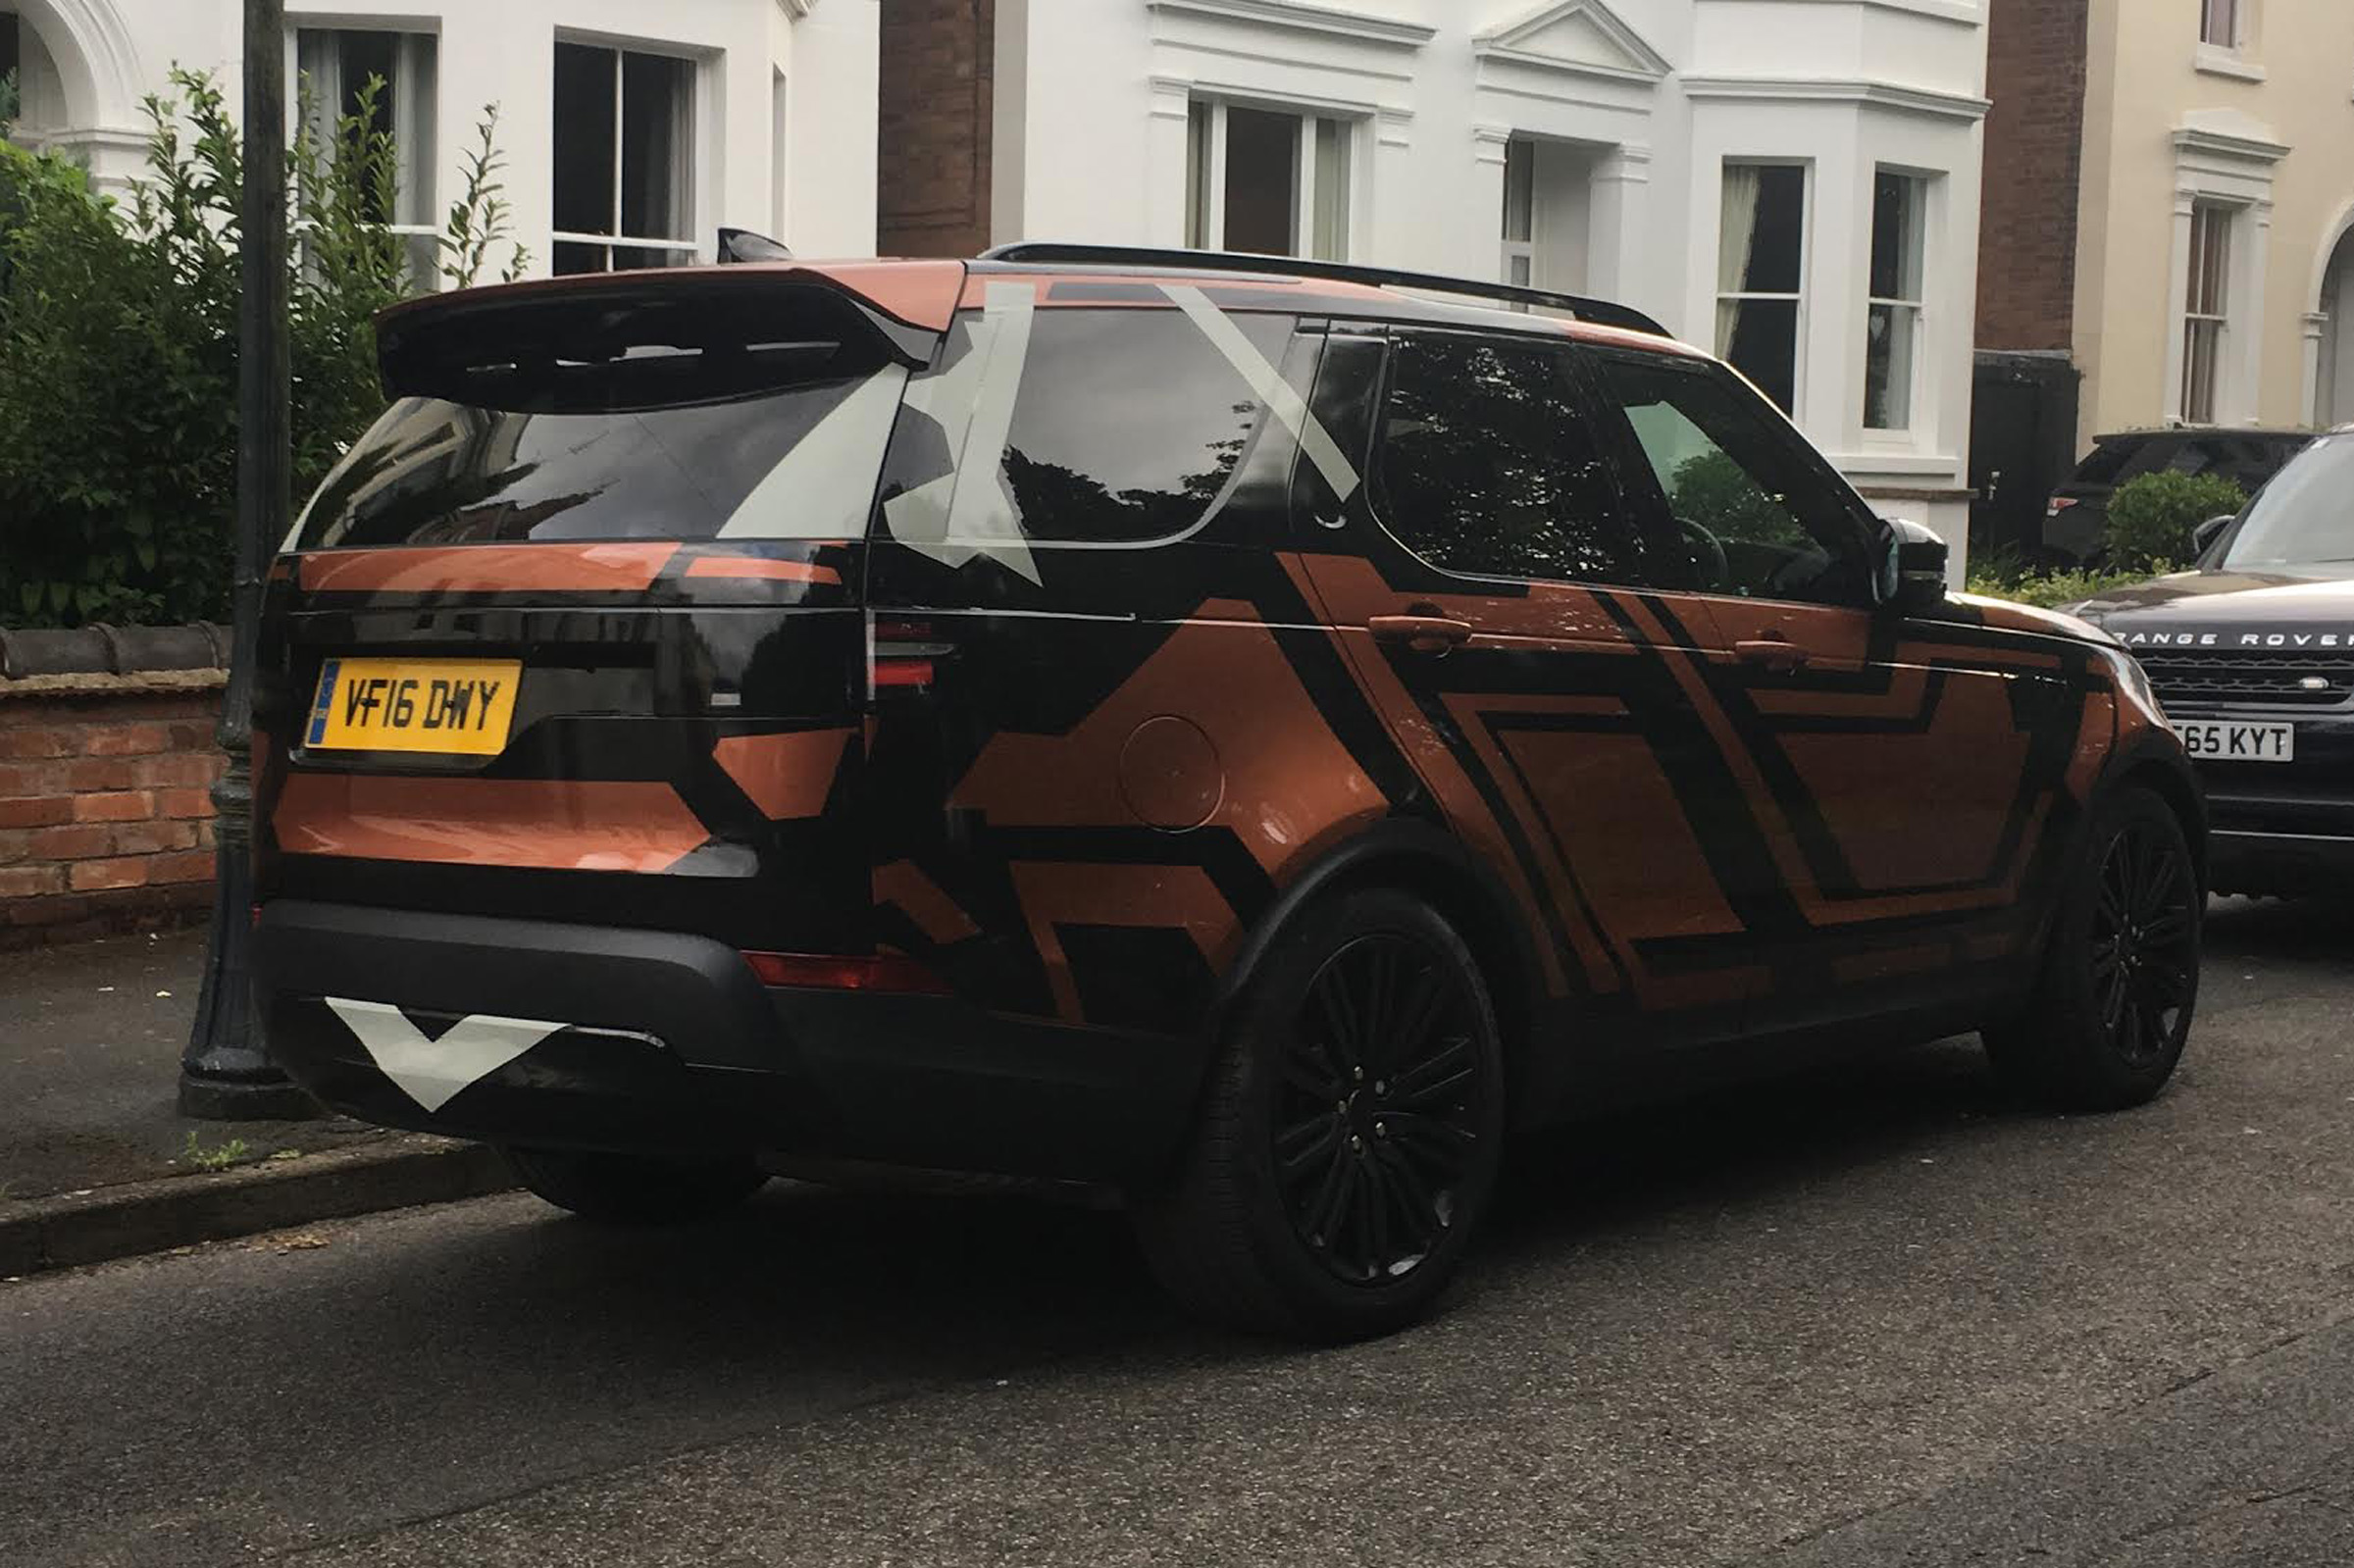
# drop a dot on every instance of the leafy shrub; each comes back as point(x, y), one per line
point(119, 351)
point(2151, 517)
point(2051, 589)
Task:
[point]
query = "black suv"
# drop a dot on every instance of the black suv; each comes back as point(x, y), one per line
point(2077, 514)
point(2253, 655)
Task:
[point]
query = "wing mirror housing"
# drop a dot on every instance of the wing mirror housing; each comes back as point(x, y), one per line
point(1912, 571)
point(2208, 532)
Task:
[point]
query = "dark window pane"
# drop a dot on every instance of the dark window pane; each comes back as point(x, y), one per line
point(1777, 247)
point(10, 50)
point(631, 258)
point(1741, 483)
point(572, 257)
point(1263, 178)
point(655, 175)
point(1130, 423)
point(1490, 466)
point(1765, 347)
point(584, 145)
point(1892, 203)
point(662, 427)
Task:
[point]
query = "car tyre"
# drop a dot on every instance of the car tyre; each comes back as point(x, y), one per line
point(633, 1190)
point(1349, 1136)
point(2112, 1005)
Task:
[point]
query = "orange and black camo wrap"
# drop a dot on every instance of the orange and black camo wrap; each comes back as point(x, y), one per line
point(1081, 795)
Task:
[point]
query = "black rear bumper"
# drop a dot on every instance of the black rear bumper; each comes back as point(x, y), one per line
point(658, 1042)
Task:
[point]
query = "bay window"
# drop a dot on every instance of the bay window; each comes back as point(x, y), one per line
point(624, 159)
point(1893, 315)
point(1761, 273)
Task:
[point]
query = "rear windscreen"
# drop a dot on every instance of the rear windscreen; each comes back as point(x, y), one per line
point(628, 425)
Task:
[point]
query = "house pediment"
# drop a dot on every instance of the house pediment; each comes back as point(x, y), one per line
point(1580, 38)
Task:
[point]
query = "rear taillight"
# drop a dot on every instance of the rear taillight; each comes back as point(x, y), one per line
point(2060, 504)
point(887, 971)
point(902, 655)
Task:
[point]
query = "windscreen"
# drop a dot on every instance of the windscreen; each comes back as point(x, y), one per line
point(662, 422)
point(2305, 517)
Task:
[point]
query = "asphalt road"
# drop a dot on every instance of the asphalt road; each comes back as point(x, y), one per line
point(1868, 1317)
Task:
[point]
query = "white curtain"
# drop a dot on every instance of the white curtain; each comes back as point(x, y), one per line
point(1739, 233)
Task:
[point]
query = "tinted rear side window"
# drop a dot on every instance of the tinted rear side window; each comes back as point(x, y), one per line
point(1130, 423)
point(1490, 466)
point(2106, 462)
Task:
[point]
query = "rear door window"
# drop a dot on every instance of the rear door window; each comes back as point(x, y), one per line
point(1490, 466)
point(1127, 427)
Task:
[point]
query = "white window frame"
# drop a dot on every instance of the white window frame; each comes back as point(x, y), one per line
point(1205, 173)
point(413, 107)
point(683, 250)
point(1913, 312)
point(1806, 269)
point(1520, 203)
point(2231, 15)
point(2218, 222)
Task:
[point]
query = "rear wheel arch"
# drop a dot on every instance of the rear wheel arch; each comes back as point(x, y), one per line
point(1420, 859)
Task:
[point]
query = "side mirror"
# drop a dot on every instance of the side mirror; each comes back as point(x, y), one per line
point(2208, 532)
point(1912, 572)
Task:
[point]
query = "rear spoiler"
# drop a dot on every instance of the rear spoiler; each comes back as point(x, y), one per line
point(730, 327)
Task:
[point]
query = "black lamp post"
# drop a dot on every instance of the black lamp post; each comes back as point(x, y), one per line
point(224, 1074)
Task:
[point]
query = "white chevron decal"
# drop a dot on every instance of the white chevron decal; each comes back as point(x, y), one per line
point(431, 1072)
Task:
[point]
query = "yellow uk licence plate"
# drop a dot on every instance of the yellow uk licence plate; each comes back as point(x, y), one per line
point(445, 705)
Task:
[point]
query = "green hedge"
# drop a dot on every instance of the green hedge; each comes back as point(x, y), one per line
point(2151, 517)
point(119, 351)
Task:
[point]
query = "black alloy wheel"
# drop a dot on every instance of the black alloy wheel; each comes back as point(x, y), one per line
point(2119, 980)
point(1350, 1136)
point(1379, 1121)
point(2145, 950)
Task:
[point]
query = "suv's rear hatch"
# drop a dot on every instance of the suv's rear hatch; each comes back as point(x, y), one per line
point(575, 631)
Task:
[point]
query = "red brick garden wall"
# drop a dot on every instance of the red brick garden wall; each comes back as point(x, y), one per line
point(105, 819)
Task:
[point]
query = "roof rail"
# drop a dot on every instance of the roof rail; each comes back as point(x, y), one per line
point(1603, 311)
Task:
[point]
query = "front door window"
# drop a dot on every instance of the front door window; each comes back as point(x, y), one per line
point(1760, 516)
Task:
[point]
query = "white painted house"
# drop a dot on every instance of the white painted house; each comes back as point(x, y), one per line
point(632, 129)
point(1793, 182)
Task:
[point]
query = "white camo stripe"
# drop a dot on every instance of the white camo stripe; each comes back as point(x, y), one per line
point(433, 1072)
point(1282, 398)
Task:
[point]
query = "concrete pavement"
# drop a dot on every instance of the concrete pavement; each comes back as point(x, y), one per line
point(1870, 1316)
point(90, 1037)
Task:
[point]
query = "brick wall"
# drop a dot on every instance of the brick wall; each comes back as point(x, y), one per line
point(105, 819)
point(2035, 60)
point(935, 103)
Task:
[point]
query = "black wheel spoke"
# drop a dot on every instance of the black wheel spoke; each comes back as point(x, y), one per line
point(1416, 1203)
point(1376, 1105)
point(1435, 1079)
point(1301, 1150)
point(1323, 1214)
point(1443, 1142)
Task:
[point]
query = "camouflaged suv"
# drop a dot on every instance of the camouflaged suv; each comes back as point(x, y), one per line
point(1244, 734)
